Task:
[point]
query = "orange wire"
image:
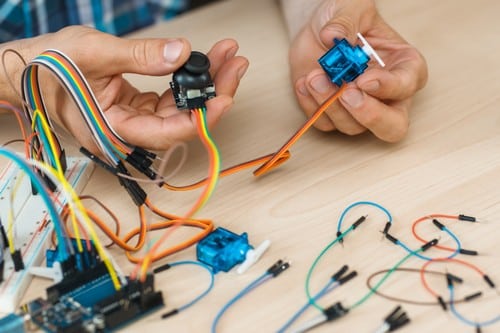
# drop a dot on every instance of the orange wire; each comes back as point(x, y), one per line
point(64, 216)
point(141, 231)
point(231, 170)
point(174, 223)
point(432, 216)
point(39, 105)
point(459, 261)
point(206, 229)
point(213, 172)
point(108, 211)
point(88, 96)
point(272, 162)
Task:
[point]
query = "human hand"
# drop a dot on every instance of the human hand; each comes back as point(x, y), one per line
point(379, 99)
point(144, 119)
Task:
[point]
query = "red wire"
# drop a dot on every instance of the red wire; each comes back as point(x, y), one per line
point(432, 216)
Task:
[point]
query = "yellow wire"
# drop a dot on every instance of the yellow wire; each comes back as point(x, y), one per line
point(45, 126)
point(100, 249)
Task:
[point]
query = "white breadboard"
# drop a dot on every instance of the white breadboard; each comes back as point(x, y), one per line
point(32, 228)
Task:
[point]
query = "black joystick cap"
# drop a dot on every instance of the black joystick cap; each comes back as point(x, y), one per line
point(198, 63)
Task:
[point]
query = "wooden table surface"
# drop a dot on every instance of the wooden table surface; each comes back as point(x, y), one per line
point(448, 163)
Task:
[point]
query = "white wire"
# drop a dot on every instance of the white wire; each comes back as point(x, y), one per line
point(320, 319)
point(60, 75)
point(78, 213)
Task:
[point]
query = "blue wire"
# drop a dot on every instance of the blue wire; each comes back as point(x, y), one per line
point(44, 195)
point(465, 320)
point(359, 203)
point(257, 282)
point(205, 293)
point(330, 286)
point(454, 254)
point(389, 217)
point(79, 93)
point(38, 125)
point(105, 140)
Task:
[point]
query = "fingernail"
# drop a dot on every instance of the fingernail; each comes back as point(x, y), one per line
point(370, 86)
point(173, 50)
point(231, 52)
point(353, 97)
point(242, 71)
point(321, 84)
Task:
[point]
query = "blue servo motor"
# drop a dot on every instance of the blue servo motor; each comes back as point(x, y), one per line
point(223, 249)
point(344, 62)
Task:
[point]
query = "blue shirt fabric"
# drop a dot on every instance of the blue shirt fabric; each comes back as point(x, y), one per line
point(29, 18)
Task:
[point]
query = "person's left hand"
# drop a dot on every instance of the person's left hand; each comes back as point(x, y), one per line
point(143, 119)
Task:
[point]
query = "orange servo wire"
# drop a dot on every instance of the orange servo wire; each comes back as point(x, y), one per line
point(231, 170)
point(205, 225)
point(432, 216)
point(271, 163)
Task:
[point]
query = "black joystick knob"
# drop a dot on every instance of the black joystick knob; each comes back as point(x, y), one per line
point(198, 63)
point(191, 84)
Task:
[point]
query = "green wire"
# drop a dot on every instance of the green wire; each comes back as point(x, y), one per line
point(310, 298)
point(386, 276)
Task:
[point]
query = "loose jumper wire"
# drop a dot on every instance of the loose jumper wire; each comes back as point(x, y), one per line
point(196, 299)
point(272, 272)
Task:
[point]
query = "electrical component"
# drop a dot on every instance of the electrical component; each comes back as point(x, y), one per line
point(395, 320)
point(195, 300)
point(276, 269)
point(191, 84)
point(252, 256)
point(467, 218)
point(343, 63)
point(32, 236)
point(12, 323)
point(82, 261)
point(331, 313)
point(87, 302)
point(335, 311)
point(337, 279)
point(223, 249)
point(17, 259)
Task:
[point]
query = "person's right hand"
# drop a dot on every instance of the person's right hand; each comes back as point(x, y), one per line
point(378, 100)
point(144, 119)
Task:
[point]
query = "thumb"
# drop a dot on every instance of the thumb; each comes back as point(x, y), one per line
point(146, 56)
point(345, 21)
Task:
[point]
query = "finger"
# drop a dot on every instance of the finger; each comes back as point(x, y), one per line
point(226, 82)
point(397, 83)
point(141, 56)
point(228, 77)
point(343, 20)
point(309, 106)
point(216, 108)
point(154, 131)
point(387, 122)
point(221, 52)
point(145, 101)
point(321, 88)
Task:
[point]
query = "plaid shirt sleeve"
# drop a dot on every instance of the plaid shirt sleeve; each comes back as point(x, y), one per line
point(29, 18)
